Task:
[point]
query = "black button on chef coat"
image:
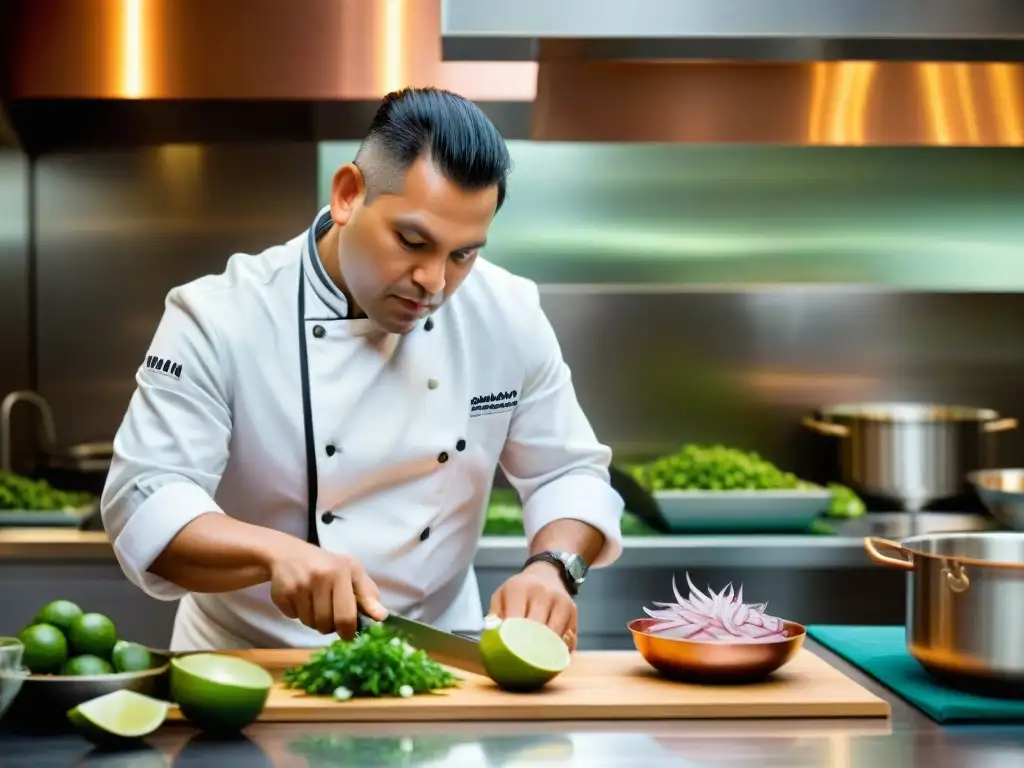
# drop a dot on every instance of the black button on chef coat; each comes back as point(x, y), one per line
point(327, 518)
point(442, 456)
point(460, 446)
point(319, 331)
point(330, 450)
point(426, 534)
point(429, 325)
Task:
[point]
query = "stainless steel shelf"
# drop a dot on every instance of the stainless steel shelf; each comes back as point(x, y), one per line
point(845, 549)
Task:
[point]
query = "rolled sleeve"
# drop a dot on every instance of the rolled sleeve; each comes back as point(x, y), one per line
point(150, 528)
point(582, 497)
point(172, 446)
point(551, 456)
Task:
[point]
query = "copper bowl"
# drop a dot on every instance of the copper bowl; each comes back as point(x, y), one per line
point(708, 661)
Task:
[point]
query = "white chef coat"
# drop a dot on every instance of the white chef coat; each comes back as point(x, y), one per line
point(392, 459)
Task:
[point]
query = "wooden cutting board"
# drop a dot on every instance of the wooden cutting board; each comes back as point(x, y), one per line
point(599, 685)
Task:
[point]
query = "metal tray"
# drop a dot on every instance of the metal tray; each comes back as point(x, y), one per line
point(58, 518)
point(742, 511)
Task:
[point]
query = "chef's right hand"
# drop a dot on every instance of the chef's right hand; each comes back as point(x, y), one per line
point(323, 590)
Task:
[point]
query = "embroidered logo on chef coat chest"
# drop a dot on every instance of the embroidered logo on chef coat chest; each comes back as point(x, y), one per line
point(494, 403)
point(164, 365)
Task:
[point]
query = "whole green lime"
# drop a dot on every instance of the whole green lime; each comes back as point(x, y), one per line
point(93, 634)
point(131, 657)
point(46, 649)
point(60, 614)
point(87, 665)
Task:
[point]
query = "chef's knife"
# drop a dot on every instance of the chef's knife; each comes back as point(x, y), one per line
point(443, 647)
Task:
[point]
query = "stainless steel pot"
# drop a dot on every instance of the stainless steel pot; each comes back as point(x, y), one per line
point(911, 453)
point(965, 606)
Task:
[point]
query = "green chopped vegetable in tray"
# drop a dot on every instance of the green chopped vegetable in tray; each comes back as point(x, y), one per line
point(23, 494)
point(697, 467)
point(377, 662)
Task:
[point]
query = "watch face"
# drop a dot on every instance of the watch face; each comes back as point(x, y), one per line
point(577, 570)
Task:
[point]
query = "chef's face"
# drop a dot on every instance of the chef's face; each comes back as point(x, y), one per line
point(403, 253)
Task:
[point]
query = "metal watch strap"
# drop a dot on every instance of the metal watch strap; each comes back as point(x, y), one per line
point(568, 580)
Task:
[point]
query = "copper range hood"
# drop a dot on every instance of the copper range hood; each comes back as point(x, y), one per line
point(303, 69)
point(830, 72)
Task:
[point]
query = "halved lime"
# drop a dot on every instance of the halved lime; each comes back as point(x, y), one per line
point(60, 614)
point(521, 654)
point(119, 716)
point(219, 693)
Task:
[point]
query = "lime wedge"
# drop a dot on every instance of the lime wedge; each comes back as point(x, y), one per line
point(521, 654)
point(118, 716)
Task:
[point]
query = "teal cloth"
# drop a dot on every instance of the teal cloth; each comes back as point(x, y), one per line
point(882, 653)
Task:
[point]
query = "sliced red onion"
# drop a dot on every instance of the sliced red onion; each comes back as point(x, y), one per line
point(716, 616)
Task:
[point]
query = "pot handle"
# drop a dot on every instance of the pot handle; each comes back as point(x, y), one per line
point(824, 428)
point(1000, 425)
point(872, 544)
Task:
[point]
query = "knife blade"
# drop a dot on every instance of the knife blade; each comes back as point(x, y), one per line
point(443, 647)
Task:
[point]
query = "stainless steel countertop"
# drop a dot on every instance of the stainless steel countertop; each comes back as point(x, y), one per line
point(845, 549)
point(907, 739)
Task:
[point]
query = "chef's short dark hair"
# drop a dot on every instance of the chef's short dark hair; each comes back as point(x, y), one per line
point(458, 137)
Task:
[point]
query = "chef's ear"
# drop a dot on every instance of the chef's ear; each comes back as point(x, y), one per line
point(347, 191)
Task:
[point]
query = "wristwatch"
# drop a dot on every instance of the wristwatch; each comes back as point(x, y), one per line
point(572, 568)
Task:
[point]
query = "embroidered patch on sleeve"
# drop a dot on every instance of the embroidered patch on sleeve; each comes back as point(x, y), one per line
point(163, 365)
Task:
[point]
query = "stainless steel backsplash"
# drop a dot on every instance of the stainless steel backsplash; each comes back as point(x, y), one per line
point(699, 293)
point(15, 333)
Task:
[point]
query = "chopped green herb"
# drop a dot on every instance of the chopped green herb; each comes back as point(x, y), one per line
point(377, 662)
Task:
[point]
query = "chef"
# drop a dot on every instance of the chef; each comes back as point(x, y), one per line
point(315, 431)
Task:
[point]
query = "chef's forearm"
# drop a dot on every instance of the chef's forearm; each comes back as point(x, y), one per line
point(569, 536)
point(216, 553)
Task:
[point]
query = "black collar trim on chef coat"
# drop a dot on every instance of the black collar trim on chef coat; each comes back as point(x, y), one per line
point(329, 293)
point(335, 301)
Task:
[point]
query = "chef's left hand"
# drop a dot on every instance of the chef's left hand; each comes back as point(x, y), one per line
point(538, 593)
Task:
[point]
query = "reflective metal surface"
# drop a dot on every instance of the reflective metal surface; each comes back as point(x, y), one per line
point(847, 103)
point(741, 29)
point(965, 594)
point(788, 218)
point(1002, 493)
point(16, 337)
point(117, 230)
point(715, 662)
point(911, 453)
point(664, 270)
point(240, 49)
point(908, 739)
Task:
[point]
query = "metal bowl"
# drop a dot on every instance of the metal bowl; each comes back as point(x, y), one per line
point(703, 661)
point(1002, 493)
point(44, 700)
